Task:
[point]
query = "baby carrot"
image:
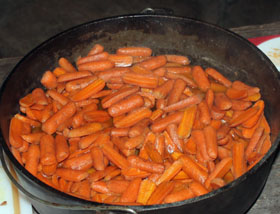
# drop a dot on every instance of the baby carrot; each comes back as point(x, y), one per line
point(170, 172)
point(238, 159)
point(135, 51)
point(204, 115)
point(218, 77)
point(97, 158)
point(176, 92)
point(15, 132)
point(49, 80)
point(254, 141)
point(96, 66)
point(244, 116)
point(47, 150)
point(73, 76)
point(61, 148)
point(121, 60)
point(163, 90)
point(71, 175)
point(82, 162)
point(200, 78)
point(200, 140)
point(32, 159)
point(183, 60)
point(222, 101)
point(211, 141)
point(161, 192)
point(142, 80)
point(146, 189)
point(59, 117)
point(79, 83)
point(96, 49)
point(148, 166)
point(66, 65)
point(179, 196)
point(87, 129)
point(186, 124)
point(193, 100)
point(131, 192)
point(153, 62)
point(198, 189)
point(58, 97)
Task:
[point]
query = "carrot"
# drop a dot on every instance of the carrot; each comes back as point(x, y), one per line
point(39, 97)
point(131, 192)
point(183, 60)
point(254, 119)
point(244, 116)
point(204, 115)
point(161, 192)
point(200, 78)
point(152, 153)
point(170, 172)
point(73, 76)
point(211, 141)
point(163, 90)
point(146, 189)
point(49, 170)
point(47, 150)
point(91, 58)
point(172, 131)
point(148, 166)
point(27, 120)
point(218, 77)
point(198, 189)
point(66, 65)
point(59, 117)
point(79, 83)
point(32, 159)
point(142, 80)
point(176, 92)
point(96, 49)
point(254, 141)
point(121, 60)
point(119, 132)
point(238, 159)
point(154, 62)
point(61, 148)
point(134, 142)
point(193, 100)
point(186, 124)
point(222, 101)
point(179, 196)
point(96, 116)
point(135, 51)
point(200, 140)
point(71, 175)
point(95, 66)
point(132, 173)
point(58, 97)
point(126, 105)
point(117, 186)
point(97, 158)
point(193, 170)
point(15, 132)
point(188, 80)
point(239, 105)
point(49, 80)
point(233, 93)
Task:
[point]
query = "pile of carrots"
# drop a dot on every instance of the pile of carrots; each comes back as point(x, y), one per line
point(130, 128)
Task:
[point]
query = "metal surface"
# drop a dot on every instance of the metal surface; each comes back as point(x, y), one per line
point(205, 44)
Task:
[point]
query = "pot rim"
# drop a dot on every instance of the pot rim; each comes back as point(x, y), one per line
point(87, 203)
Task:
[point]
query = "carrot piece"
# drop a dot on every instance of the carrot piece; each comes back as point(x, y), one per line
point(161, 192)
point(27, 120)
point(15, 132)
point(254, 141)
point(183, 60)
point(162, 91)
point(96, 49)
point(49, 80)
point(170, 172)
point(95, 66)
point(156, 114)
point(153, 153)
point(176, 92)
point(119, 132)
point(179, 196)
point(211, 141)
point(193, 100)
point(148, 166)
point(114, 156)
point(204, 114)
point(32, 159)
point(47, 150)
point(134, 142)
point(222, 101)
point(117, 186)
point(178, 68)
point(59, 117)
point(91, 58)
point(66, 65)
point(126, 105)
point(96, 116)
point(239, 105)
point(97, 158)
point(242, 86)
point(27, 101)
point(61, 148)
point(190, 147)
point(121, 60)
point(79, 83)
point(39, 96)
point(186, 124)
point(218, 77)
point(234, 93)
point(153, 62)
point(142, 80)
point(200, 78)
point(200, 140)
point(131, 173)
point(131, 192)
point(49, 170)
point(238, 159)
point(198, 189)
point(82, 162)
point(71, 175)
point(218, 88)
point(221, 169)
point(254, 119)
point(146, 189)
point(58, 71)
point(193, 170)
point(73, 76)
point(58, 97)
point(89, 90)
point(135, 51)
point(172, 131)
point(87, 129)
point(133, 117)
point(84, 189)
point(244, 116)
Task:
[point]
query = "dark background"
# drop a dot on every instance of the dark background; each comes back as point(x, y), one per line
point(24, 24)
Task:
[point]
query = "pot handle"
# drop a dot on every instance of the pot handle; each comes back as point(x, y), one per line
point(157, 11)
point(98, 210)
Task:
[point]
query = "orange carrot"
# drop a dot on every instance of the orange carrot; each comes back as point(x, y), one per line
point(183, 60)
point(117, 186)
point(193, 100)
point(154, 62)
point(47, 150)
point(142, 80)
point(244, 116)
point(254, 141)
point(162, 91)
point(198, 189)
point(135, 51)
point(186, 124)
point(161, 192)
point(32, 159)
point(90, 58)
point(200, 78)
point(176, 92)
point(148, 166)
point(170, 172)
point(211, 141)
point(71, 175)
point(179, 196)
point(238, 159)
point(66, 65)
point(200, 140)
point(58, 97)
point(87, 129)
point(172, 131)
point(222, 101)
point(82, 162)
point(61, 148)
point(73, 76)
point(97, 158)
point(15, 132)
point(146, 189)
point(218, 77)
point(131, 192)
point(96, 49)
point(96, 66)
point(204, 115)
point(49, 80)
point(121, 60)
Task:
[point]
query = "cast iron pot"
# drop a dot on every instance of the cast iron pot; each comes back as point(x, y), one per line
point(205, 44)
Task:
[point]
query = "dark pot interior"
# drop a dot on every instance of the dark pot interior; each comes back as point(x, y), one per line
point(205, 44)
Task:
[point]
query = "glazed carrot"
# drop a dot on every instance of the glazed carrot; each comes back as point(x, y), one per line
point(91, 58)
point(222, 101)
point(27, 101)
point(96, 66)
point(254, 141)
point(79, 83)
point(153, 154)
point(126, 105)
point(133, 117)
point(61, 148)
point(198, 189)
point(112, 174)
point(211, 141)
point(49, 170)
point(146, 189)
point(204, 114)
point(176, 92)
point(170, 172)
point(200, 140)
point(218, 77)
point(193, 100)
point(58, 97)
point(87, 129)
point(186, 124)
point(59, 71)
point(135, 51)
point(27, 120)
point(84, 189)
point(97, 158)
point(66, 65)
point(179, 196)
point(190, 146)
point(59, 117)
point(117, 186)
point(244, 116)
point(71, 175)
point(73, 76)
point(17, 155)
point(132, 173)
point(160, 125)
point(88, 91)
point(188, 80)
point(239, 105)
point(32, 159)
point(242, 86)
point(183, 60)
point(49, 80)
point(15, 132)
point(163, 90)
point(114, 156)
point(148, 166)
point(96, 49)
point(119, 132)
point(39, 97)
point(47, 150)
point(234, 93)
point(142, 80)
point(253, 120)
point(193, 170)
point(200, 78)
point(154, 62)
point(131, 192)
point(238, 159)
point(122, 93)
point(82, 162)
point(121, 60)
point(112, 73)
point(161, 192)
point(172, 131)
point(96, 116)
point(221, 169)
point(134, 142)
